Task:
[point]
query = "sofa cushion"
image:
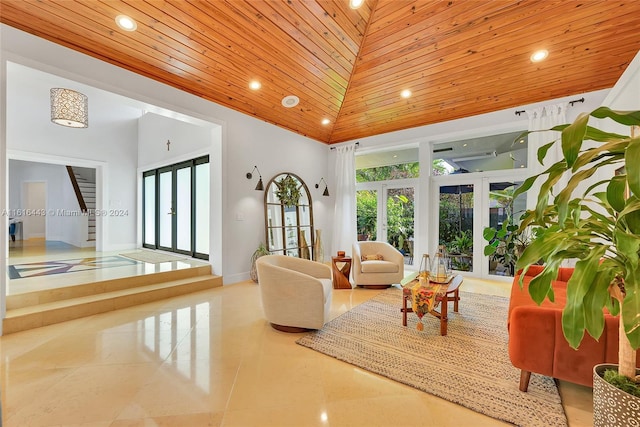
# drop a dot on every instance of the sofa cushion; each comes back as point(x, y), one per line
point(379, 267)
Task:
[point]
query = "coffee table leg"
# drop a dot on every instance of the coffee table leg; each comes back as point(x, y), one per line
point(443, 316)
point(455, 301)
point(404, 310)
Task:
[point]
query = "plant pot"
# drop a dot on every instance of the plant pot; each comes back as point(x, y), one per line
point(612, 406)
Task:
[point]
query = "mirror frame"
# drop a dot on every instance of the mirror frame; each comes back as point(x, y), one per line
point(287, 213)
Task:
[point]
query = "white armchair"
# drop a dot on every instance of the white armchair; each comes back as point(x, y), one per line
point(296, 293)
point(369, 272)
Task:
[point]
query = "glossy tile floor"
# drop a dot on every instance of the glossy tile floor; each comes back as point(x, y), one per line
point(211, 359)
point(39, 250)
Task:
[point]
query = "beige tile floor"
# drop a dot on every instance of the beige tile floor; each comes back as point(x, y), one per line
point(37, 250)
point(210, 359)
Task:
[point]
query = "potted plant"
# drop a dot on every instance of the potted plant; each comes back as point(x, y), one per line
point(597, 223)
point(506, 244)
point(460, 252)
point(261, 251)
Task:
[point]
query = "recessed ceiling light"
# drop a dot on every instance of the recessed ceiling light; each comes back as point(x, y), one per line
point(326, 121)
point(255, 85)
point(522, 141)
point(464, 145)
point(126, 23)
point(539, 55)
point(354, 4)
point(290, 101)
point(405, 93)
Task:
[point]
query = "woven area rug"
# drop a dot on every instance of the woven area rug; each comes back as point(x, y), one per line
point(153, 257)
point(470, 366)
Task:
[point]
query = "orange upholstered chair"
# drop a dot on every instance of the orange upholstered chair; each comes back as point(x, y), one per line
point(536, 341)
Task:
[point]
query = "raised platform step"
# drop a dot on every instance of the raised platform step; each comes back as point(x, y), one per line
point(35, 309)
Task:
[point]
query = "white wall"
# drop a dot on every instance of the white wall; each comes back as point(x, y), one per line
point(626, 93)
point(187, 140)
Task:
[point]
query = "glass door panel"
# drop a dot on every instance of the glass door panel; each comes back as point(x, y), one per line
point(400, 220)
point(455, 224)
point(183, 209)
point(166, 210)
point(503, 207)
point(202, 208)
point(367, 214)
point(149, 209)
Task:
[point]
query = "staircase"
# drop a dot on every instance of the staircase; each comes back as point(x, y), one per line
point(86, 193)
point(35, 309)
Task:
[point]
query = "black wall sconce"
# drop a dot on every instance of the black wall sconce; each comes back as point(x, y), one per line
point(326, 188)
point(260, 185)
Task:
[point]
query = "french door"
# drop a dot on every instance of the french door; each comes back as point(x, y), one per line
point(176, 208)
point(464, 205)
point(386, 212)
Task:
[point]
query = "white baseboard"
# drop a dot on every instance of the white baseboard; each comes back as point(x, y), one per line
point(235, 278)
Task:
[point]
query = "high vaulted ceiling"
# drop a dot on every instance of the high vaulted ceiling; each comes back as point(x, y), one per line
point(458, 58)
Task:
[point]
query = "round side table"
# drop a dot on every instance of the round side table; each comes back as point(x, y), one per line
point(341, 275)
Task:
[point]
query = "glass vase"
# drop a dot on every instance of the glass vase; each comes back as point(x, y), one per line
point(425, 266)
point(440, 269)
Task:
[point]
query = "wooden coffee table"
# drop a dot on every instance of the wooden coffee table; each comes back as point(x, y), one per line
point(341, 274)
point(450, 294)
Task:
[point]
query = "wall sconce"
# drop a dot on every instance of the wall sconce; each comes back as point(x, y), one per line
point(326, 188)
point(260, 185)
point(69, 108)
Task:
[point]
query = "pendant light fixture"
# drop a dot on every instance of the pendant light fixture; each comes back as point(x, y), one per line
point(69, 108)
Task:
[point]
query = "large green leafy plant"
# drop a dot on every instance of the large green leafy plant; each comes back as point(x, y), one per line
point(506, 243)
point(594, 219)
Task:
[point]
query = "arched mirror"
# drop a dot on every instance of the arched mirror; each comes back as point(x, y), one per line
point(288, 216)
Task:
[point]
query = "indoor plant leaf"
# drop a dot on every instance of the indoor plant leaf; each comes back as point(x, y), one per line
point(572, 137)
point(573, 315)
point(632, 165)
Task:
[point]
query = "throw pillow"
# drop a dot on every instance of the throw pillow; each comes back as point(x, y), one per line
point(374, 257)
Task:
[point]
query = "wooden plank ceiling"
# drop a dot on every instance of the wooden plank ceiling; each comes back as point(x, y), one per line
point(459, 58)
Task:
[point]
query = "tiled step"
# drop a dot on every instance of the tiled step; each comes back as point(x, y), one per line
point(35, 309)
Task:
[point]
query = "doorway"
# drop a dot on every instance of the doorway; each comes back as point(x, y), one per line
point(176, 208)
point(35, 204)
point(386, 212)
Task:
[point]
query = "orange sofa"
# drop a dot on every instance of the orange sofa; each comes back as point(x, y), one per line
point(536, 341)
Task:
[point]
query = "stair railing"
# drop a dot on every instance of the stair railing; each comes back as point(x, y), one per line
point(76, 188)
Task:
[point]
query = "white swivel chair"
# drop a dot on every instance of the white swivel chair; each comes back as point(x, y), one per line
point(376, 265)
point(296, 293)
